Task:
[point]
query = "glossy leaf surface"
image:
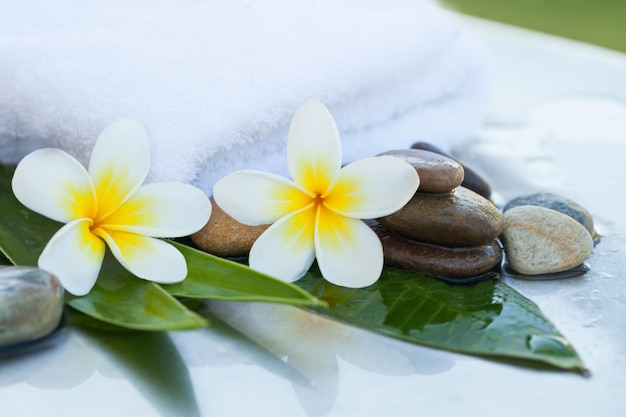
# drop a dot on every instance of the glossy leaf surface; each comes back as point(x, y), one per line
point(220, 279)
point(487, 318)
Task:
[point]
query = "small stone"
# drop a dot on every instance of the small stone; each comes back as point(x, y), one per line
point(539, 240)
point(459, 219)
point(438, 173)
point(437, 260)
point(555, 202)
point(472, 179)
point(31, 304)
point(225, 236)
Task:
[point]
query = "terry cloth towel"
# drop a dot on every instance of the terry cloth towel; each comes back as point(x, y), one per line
point(216, 83)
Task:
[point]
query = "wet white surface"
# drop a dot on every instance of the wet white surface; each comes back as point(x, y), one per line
point(558, 124)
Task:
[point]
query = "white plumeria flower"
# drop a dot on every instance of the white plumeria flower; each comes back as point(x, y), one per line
point(108, 205)
point(317, 215)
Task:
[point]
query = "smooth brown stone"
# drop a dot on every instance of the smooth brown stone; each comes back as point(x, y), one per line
point(461, 218)
point(225, 236)
point(539, 240)
point(31, 304)
point(438, 260)
point(438, 173)
point(472, 179)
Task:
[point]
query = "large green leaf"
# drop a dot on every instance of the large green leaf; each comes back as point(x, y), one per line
point(121, 299)
point(487, 318)
point(219, 279)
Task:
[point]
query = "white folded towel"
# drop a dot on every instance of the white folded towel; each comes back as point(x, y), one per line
point(216, 83)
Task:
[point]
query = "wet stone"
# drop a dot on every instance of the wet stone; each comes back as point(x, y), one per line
point(440, 261)
point(555, 202)
point(438, 173)
point(539, 240)
point(31, 304)
point(472, 179)
point(225, 236)
point(459, 219)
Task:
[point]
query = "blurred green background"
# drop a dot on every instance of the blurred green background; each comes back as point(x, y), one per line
point(600, 22)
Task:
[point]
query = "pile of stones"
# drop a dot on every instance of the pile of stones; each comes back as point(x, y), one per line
point(451, 229)
point(447, 229)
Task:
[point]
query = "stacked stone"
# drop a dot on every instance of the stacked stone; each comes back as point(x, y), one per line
point(447, 229)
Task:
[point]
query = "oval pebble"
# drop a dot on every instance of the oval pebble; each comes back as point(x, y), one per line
point(31, 304)
point(539, 240)
point(459, 219)
point(555, 202)
point(225, 236)
point(439, 261)
point(472, 179)
point(438, 173)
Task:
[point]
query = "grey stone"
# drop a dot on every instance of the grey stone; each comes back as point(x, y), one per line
point(472, 179)
point(539, 240)
point(31, 304)
point(438, 173)
point(440, 261)
point(459, 219)
point(225, 236)
point(555, 202)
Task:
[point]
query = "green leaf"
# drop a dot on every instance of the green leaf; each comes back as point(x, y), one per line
point(487, 318)
point(121, 299)
point(215, 278)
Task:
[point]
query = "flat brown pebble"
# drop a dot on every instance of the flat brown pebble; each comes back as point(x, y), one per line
point(461, 218)
point(438, 173)
point(472, 179)
point(539, 240)
point(225, 236)
point(437, 260)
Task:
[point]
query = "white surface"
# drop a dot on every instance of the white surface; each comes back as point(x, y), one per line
point(557, 125)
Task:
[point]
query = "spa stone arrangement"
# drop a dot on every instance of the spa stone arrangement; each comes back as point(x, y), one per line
point(450, 230)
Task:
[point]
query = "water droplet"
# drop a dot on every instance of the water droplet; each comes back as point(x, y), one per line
point(549, 345)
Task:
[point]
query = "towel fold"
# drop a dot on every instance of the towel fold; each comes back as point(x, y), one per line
point(216, 83)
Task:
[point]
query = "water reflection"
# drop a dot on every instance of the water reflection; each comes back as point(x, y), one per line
point(305, 349)
point(312, 345)
point(150, 361)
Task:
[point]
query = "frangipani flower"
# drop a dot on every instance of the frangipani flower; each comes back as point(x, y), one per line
point(108, 205)
point(317, 215)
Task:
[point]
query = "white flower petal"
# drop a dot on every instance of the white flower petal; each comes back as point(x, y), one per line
point(146, 257)
point(75, 256)
point(255, 197)
point(348, 251)
point(119, 164)
point(54, 184)
point(285, 250)
point(162, 209)
point(313, 148)
point(373, 187)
